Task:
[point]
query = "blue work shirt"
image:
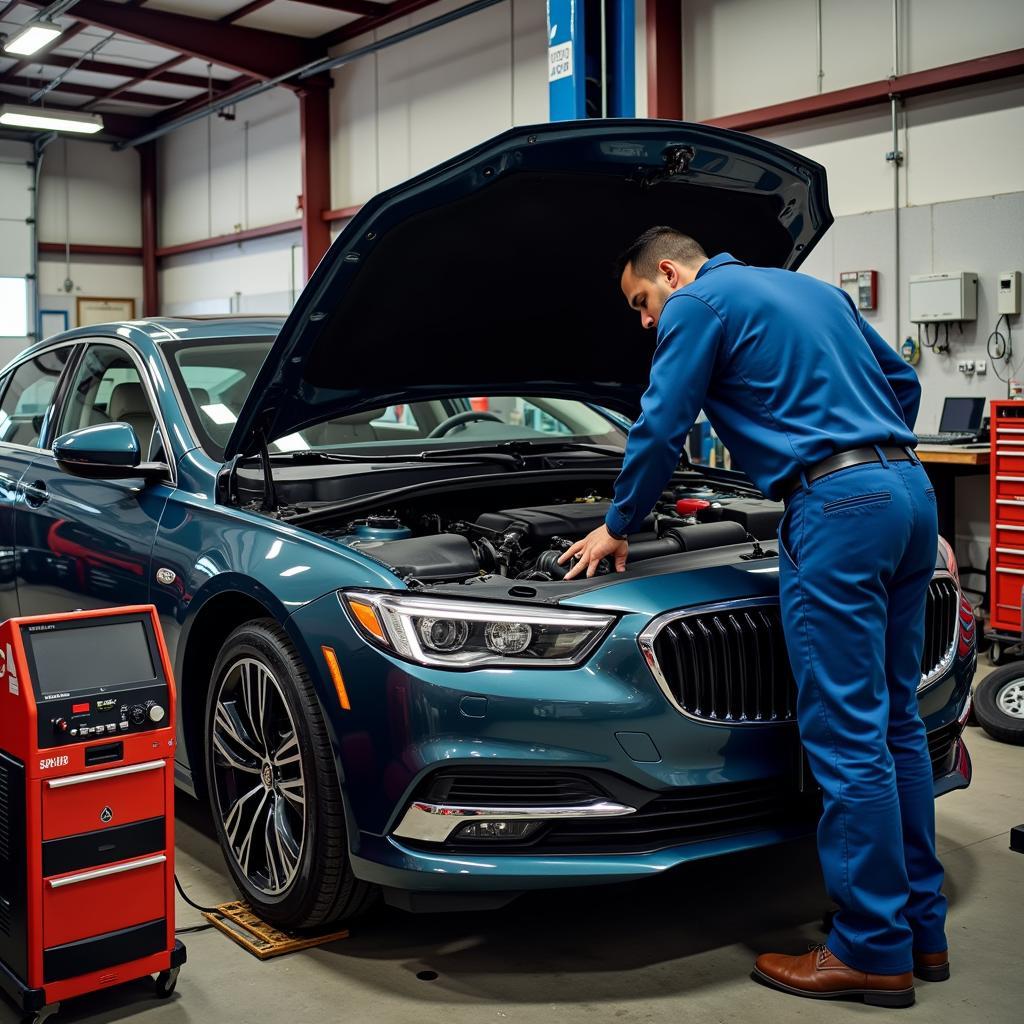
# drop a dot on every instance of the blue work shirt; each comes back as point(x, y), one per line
point(786, 369)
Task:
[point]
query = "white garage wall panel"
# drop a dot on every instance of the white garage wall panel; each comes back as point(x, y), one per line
point(217, 176)
point(89, 193)
point(90, 276)
point(413, 105)
point(260, 276)
point(741, 54)
point(15, 209)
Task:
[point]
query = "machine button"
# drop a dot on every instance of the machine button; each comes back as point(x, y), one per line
point(156, 713)
point(137, 713)
point(111, 727)
point(74, 732)
point(124, 725)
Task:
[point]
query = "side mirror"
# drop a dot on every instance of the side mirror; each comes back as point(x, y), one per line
point(105, 451)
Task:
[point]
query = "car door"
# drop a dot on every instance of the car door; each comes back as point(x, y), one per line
point(26, 395)
point(89, 542)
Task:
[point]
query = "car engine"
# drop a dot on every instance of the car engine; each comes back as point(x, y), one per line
point(428, 545)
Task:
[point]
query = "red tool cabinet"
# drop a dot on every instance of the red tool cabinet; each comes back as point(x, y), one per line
point(1006, 515)
point(87, 711)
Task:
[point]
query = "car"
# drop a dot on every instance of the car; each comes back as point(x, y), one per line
point(349, 522)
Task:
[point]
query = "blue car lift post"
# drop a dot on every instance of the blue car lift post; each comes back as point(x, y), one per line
point(591, 63)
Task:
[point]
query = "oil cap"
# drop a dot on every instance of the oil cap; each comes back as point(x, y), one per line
point(691, 506)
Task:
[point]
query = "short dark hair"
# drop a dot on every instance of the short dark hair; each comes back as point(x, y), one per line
point(657, 244)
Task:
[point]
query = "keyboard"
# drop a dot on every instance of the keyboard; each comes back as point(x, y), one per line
point(964, 438)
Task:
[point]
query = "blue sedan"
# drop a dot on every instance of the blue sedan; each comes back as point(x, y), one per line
point(349, 521)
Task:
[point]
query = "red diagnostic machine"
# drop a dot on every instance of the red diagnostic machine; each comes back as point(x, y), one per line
point(87, 712)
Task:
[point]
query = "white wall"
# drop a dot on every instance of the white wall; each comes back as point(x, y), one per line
point(413, 105)
point(89, 193)
point(15, 233)
point(260, 276)
point(110, 277)
point(216, 176)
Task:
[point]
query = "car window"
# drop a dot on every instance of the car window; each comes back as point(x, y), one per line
point(214, 379)
point(27, 398)
point(107, 388)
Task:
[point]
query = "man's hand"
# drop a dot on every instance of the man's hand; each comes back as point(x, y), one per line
point(596, 545)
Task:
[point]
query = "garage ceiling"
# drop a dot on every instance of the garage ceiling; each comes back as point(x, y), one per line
point(141, 62)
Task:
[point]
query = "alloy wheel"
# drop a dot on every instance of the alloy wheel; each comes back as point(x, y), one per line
point(258, 777)
point(1010, 699)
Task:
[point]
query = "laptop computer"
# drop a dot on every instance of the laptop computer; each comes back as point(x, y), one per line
point(961, 423)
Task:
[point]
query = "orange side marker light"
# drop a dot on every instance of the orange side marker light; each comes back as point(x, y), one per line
point(335, 669)
point(367, 616)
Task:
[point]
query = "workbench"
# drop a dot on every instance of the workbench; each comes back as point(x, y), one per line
point(944, 463)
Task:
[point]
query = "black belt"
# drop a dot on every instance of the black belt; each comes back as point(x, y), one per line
point(853, 457)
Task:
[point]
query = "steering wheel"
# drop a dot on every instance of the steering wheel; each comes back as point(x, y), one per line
point(459, 418)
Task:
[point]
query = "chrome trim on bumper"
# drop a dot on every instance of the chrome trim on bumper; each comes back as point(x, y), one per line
point(434, 823)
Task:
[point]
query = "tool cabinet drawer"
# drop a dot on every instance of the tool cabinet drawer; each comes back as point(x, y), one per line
point(103, 799)
point(104, 899)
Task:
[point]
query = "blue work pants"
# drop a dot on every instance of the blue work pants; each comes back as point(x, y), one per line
point(857, 550)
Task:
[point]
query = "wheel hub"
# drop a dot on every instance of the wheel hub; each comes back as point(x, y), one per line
point(258, 776)
point(1010, 699)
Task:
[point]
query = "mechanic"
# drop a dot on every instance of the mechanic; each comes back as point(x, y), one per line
point(819, 411)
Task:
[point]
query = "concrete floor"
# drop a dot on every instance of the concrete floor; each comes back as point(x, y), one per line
point(677, 947)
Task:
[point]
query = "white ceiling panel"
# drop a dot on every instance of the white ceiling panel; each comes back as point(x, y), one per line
point(296, 19)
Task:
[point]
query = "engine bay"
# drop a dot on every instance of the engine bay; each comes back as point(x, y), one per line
point(460, 536)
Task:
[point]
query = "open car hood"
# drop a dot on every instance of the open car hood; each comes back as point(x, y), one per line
point(492, 273)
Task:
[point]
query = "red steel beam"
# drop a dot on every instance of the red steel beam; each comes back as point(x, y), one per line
point(315, 133)
point(148, 76)
point(665, 59)
point(85, 249)
point(394, 11)
point(917, 83)
point(331, 216)
point(267, 231)
point(364, 7)
point(148, 190)
point(251, 51)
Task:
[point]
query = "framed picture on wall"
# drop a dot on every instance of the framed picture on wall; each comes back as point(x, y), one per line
point(95, 310)
point(52, 321)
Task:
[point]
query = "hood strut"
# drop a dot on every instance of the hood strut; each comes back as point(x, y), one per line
point(269, 495)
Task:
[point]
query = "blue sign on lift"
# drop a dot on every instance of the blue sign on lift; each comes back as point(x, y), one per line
point(591, 66)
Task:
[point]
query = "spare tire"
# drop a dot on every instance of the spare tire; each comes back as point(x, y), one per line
point(999, 703)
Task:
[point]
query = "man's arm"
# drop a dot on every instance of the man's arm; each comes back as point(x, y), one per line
point(689, 336)
point(901, 375)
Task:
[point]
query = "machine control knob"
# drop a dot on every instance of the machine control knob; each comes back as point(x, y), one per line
point(137, 713)
point(60, 725)
point(156, 713)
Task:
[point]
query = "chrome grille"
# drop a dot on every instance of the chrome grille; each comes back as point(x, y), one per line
point(728, 663)
point(940, 627)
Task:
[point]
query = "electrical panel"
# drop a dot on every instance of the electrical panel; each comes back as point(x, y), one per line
point(1009, 293)
point(861, 286)
point(940, 298)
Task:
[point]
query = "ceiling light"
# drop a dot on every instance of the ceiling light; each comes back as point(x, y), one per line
point(33, 37)
point(50, 119)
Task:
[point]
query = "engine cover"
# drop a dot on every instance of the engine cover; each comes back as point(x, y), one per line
point(542, 522)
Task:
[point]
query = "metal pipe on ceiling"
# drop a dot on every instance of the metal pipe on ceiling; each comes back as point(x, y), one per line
point(309, 70)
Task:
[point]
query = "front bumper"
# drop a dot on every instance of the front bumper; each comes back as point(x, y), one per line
point(607, 720)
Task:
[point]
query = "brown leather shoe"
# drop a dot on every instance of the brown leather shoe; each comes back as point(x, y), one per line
point(820, 974)
point(932, 966)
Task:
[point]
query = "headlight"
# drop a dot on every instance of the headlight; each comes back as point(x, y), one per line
point(464, 634)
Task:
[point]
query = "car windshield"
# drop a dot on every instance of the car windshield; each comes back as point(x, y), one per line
point(215, 378)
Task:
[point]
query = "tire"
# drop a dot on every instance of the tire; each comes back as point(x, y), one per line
point(999, 703)
point(282, 790)
point(166, 982)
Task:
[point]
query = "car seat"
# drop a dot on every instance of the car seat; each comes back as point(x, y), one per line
point(128, 404)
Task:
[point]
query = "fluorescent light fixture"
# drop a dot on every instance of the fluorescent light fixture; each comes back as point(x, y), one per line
point(33, 37)
point(50, 119)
